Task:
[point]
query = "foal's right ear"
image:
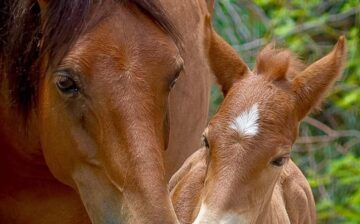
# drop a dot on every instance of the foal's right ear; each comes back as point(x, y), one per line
point(226, 64)
point(312, 83)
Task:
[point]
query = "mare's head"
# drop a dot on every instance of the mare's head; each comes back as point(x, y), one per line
point(251, 136)
point(96, 79)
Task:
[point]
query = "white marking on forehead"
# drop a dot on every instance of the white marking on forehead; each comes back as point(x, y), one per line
point(205, 216)
point(247, 122)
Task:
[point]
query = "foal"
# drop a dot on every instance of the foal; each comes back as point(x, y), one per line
point(244, 173)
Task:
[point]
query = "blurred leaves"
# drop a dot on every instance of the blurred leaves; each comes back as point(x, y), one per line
point(310, 29)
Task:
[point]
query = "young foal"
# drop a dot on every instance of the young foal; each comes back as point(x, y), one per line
point(244, 174)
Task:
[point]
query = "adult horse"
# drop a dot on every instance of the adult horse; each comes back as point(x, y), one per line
point(88, 109)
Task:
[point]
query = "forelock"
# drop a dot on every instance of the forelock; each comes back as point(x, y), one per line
point(277, 64)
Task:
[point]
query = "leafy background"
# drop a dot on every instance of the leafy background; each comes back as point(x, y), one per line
point(328, 149)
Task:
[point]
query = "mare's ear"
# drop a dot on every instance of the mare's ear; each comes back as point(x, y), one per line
point(312, 83)
point(226, 64)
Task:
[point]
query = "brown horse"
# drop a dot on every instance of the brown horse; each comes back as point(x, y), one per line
point(88, 107)
point(244, 174)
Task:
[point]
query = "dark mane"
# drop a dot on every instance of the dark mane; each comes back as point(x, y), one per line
point(24, 39)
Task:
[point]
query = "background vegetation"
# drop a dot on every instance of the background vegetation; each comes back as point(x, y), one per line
point(328, 151)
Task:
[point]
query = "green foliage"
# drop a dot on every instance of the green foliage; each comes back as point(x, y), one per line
point(329, 149)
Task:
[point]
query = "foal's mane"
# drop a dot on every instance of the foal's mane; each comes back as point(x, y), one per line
point(277, 63)
point(25, 38)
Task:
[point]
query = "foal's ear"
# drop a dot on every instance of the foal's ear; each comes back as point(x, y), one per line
point(312, 83)
point(226, 64)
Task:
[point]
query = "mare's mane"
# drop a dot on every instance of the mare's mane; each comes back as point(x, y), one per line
point(25, 39)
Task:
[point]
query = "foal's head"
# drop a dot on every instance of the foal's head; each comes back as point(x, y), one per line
point(251, 136)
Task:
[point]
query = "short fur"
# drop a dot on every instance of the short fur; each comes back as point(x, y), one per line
point(243, 179)
point(28, 34)
point(277, 64)
point(104, 152)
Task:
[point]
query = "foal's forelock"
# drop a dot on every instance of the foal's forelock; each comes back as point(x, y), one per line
point(28, 32)
point(277, 64)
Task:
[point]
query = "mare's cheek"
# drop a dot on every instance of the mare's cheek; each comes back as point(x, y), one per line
point(55, 128)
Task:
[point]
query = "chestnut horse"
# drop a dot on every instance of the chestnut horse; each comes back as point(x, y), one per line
point(88, 106)
point(244, 173)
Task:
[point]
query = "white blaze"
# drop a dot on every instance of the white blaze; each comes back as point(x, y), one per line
point(247, 122)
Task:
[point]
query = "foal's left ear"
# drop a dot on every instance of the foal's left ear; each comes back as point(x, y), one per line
point(224, 61)
point(312, 83)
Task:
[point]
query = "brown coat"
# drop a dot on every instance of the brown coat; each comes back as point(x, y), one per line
point(244, 174)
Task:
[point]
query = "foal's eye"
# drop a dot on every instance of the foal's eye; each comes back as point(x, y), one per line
point(279, 161)
point(66, 85)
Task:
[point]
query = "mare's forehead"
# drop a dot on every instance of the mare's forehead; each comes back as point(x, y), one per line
point(127, 39)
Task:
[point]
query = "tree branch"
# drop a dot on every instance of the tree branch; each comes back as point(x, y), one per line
point(331, 134)
point(300, 28)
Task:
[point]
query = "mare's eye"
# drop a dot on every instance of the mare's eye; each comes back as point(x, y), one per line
point(280, 161)
point(66, 85)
